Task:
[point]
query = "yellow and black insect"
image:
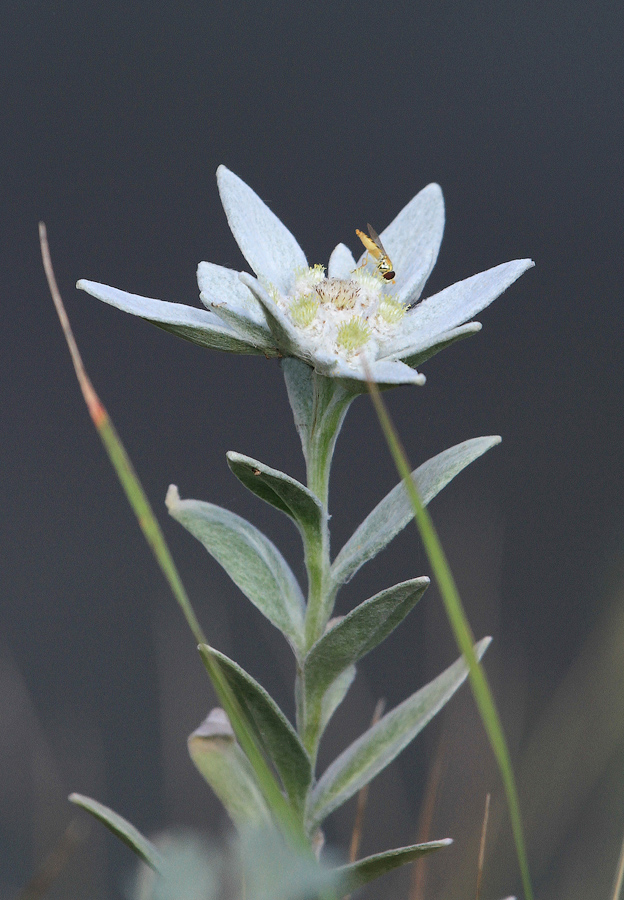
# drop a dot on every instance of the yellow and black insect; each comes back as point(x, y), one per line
point(375, 248)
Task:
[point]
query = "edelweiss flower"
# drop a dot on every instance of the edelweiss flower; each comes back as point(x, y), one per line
point(342, 322)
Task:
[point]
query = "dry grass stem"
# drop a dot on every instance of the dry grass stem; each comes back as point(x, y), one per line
point(358, 825)
point(55, 862)
point(419, 872)
point(96, 410)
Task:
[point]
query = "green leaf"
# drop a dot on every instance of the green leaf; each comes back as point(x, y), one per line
point(251, 560)
point(334, 695)
point(280, 490)
point(394, 512)
point(275, 733)
point(351, 639)
point(319, 405)
point(292, 498)
point(358, 632)
point(300, 386)
point(218, 757)
point(121, 828)
point(377, 747)
point(364, 870)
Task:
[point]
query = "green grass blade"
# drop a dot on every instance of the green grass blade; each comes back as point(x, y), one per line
point(273, 731)
point(462, 632)
point(283, 812)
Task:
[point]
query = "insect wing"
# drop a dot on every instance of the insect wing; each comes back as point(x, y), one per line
point(384, 265)
point(370, 245)
point(376, 239)
point(376, 249)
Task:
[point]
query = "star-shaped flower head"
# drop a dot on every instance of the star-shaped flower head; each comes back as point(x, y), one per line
point(344, 322)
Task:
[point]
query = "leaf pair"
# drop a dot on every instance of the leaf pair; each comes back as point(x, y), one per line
point(330, 664)
point(344, 644)
point(256, 565)
point(215, 752)
point(325, 669)
point(353, 769)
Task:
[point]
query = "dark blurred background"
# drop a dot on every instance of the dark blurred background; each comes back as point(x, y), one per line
point(114, 119)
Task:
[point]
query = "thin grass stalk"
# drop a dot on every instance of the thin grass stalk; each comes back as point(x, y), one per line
point(290, 824)
point(481, 862)
point(462, 632)
point(423, 834)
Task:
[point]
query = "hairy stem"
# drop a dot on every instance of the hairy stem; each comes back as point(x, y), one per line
point(329, 406)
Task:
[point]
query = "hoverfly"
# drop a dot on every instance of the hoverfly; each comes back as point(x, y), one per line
point(375, 248)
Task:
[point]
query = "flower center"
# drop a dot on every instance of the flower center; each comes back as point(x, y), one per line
point(337, 293)
point(341, 316)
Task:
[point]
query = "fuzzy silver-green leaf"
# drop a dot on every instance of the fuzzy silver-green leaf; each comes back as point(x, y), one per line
point(359, 873)
point(349, 640)
point(394, 512)
point(251, 560)
point(280, 490)
point(358, 632)
point(219, 758)
point(277, 736)
point(120, 827)
point(377, 747)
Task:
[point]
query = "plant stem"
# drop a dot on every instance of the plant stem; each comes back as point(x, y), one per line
point(319, 405)
point(330, 402)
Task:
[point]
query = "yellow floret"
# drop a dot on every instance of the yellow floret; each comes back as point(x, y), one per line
point(372, 280)
point(352, 335)
point(307, 278)
point(391, 311)
point(303, 310)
